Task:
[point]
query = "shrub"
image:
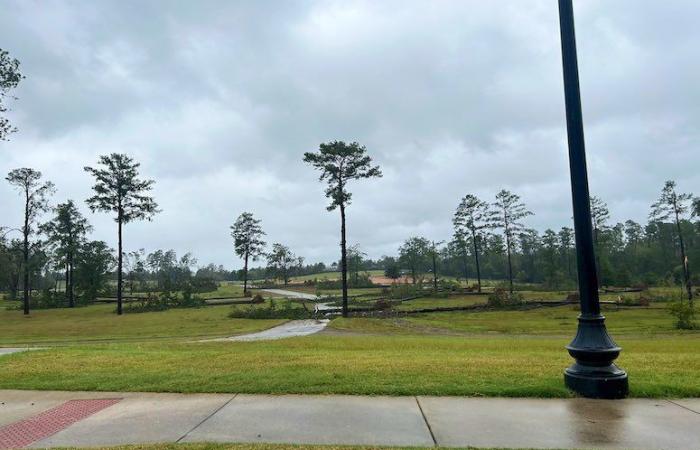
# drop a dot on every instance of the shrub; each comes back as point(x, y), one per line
point(201, 284)
point(287, 311)
point(401, 291)
point(383, 304)
point(501, 298)
point(164, 301)
point(449, 285)
point(684, 313)
point(644, 300)
point(49, 299)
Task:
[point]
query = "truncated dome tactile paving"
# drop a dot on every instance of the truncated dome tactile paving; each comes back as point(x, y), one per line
point(24, 432)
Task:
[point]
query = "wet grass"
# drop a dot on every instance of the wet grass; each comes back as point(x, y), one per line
point(550, 321)
point(511, 366)
point(489, 353)
point(98, 322)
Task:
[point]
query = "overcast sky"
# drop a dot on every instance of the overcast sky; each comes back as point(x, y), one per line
point(219, 101)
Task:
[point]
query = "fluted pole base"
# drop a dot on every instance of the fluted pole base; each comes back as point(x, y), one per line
point(593, 374)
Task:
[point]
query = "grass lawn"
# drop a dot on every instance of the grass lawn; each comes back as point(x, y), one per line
point(554, 321)
point(392, 365)
point(225, 289)
point(491, 353)
point(98, 322)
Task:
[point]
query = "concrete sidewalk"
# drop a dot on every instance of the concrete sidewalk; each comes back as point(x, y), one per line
point(405, 421)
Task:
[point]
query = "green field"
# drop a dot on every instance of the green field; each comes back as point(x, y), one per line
point(554, 321)
point(485, 352)
point(99, 323)
point(226, 289)
point(391, 365)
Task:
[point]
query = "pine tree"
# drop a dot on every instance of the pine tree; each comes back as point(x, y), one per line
point(339, 164)
point(36, 201)
point(247, 241)
point(507, 213)
point(118, 189)
point(66, 234)
point(674, 205)
point(471, 218)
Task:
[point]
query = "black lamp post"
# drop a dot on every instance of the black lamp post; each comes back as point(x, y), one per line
point(593, 374)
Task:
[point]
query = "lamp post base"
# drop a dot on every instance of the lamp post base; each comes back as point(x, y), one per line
point(608, 386)
point(593, 374)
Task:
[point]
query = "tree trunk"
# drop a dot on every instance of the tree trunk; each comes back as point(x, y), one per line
point(510, 262)
point(65, 287)
point(435, 286)
point(245, 275)
point(343, 260)
point(71, 295)
point(119, 267)
point(465, 258)
point(476, 259)
point(684, 261)
point(25, 253)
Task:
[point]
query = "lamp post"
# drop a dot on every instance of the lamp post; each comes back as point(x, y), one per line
point(593, 374)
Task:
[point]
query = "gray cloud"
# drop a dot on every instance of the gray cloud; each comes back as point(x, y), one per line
point(219, 100)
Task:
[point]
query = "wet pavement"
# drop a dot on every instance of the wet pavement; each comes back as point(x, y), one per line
point(318, 307)
point(360, 420)
point(293, 328)
point(291, 294)
point(9, 351)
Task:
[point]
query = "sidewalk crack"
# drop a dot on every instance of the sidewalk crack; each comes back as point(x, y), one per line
point(206, 418)
point(427, 424)
point(684, 407)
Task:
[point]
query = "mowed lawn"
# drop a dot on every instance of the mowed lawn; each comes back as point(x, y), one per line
point(99, 323)
point(497, 353)
point(550, 321)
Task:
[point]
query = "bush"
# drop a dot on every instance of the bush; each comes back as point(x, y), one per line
point(49, 299)
point(401, 291)
point(501, 298)
point(202, 284)
point(449, 285)
point(287, 311)
point(383, 304)
point(684, 313)
point(164, 301)
point(644, 300)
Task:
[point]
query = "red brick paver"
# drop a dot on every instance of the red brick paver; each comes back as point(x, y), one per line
point(22, 433)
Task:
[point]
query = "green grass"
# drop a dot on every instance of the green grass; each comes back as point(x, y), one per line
point(225, 289)
point(372, 365)
point(553, 321)
point(435, 302)
point(491, 353)
point(98, 322)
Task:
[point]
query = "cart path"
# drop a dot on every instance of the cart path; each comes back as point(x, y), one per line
point(293, 328)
